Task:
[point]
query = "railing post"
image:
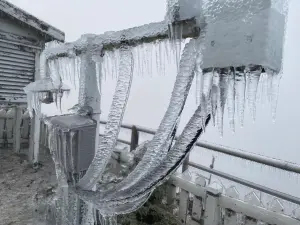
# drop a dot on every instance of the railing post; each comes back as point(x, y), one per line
point(231, 217)
point(171, 194)
point(34, 142)
point(134, 138)
point(183, 206)
point(197, 210)
point(184, 200)
point(212, 213)
point(17, 130)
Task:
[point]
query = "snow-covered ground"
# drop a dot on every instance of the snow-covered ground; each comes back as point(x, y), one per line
point(24, 190)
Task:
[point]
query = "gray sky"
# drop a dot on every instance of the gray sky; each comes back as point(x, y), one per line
point(150, 95)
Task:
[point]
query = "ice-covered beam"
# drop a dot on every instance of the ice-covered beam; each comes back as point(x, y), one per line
point(133, 36)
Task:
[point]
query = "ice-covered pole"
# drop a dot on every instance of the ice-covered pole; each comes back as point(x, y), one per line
point(148, 33)
point(89, 89)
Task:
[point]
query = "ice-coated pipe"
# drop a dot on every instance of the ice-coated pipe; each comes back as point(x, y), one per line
point(157, 148)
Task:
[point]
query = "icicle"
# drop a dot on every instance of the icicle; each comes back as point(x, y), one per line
point(59, 98)
point(178, 42)
point(167, 50)
point(224, 77)
point(240, 87)
point(112, 128)
point(207, 85)
point(160, 60)
point(99, 61)
point(274, 90)
point(149, 50)
point(231, 99)
point(253, 74)
point(215, 95)
point(207, 81)
point(145, 62)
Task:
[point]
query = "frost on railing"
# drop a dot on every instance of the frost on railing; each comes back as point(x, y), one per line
point(215, 204)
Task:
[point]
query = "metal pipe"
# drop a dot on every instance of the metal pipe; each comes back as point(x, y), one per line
point(276, 163)
point(134, 36)
point(250, 184)
point(280, 164)
point(139, 128)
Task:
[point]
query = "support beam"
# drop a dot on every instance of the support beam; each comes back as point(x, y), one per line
point(134, 138)
point(135, 36)
point(17, 129)
point(90, 97)
point(34, 142)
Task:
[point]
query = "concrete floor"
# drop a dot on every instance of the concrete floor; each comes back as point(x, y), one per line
point(23, 189)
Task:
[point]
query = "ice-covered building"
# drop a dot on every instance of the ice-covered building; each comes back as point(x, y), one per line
point(22, 38)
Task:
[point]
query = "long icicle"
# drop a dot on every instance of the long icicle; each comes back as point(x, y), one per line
point(112, 128)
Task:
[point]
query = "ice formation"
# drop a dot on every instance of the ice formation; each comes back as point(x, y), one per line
point(112, 128)
point(49, 87)
point(239, 46)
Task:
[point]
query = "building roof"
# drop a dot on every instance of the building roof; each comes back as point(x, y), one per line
point(49, 32)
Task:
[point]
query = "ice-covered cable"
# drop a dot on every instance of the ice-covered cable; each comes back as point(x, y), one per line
point(112, 128)
point(171, 162)
point(155, 150)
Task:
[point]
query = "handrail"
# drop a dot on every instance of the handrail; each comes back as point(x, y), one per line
point(241, 181)
point(276, 163)
point(250, 184)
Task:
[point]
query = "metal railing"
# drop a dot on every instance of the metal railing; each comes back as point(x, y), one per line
point(201, 203)
point(275, 163)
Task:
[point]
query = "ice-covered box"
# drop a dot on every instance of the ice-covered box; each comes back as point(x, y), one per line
point(238, 33)
point(76, 141)
point(183, 9)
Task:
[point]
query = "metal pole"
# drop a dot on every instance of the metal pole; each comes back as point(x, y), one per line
point(284, 165)
point(134, 138)
point(185, 164)
point(34, 145)
point(133, 36)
